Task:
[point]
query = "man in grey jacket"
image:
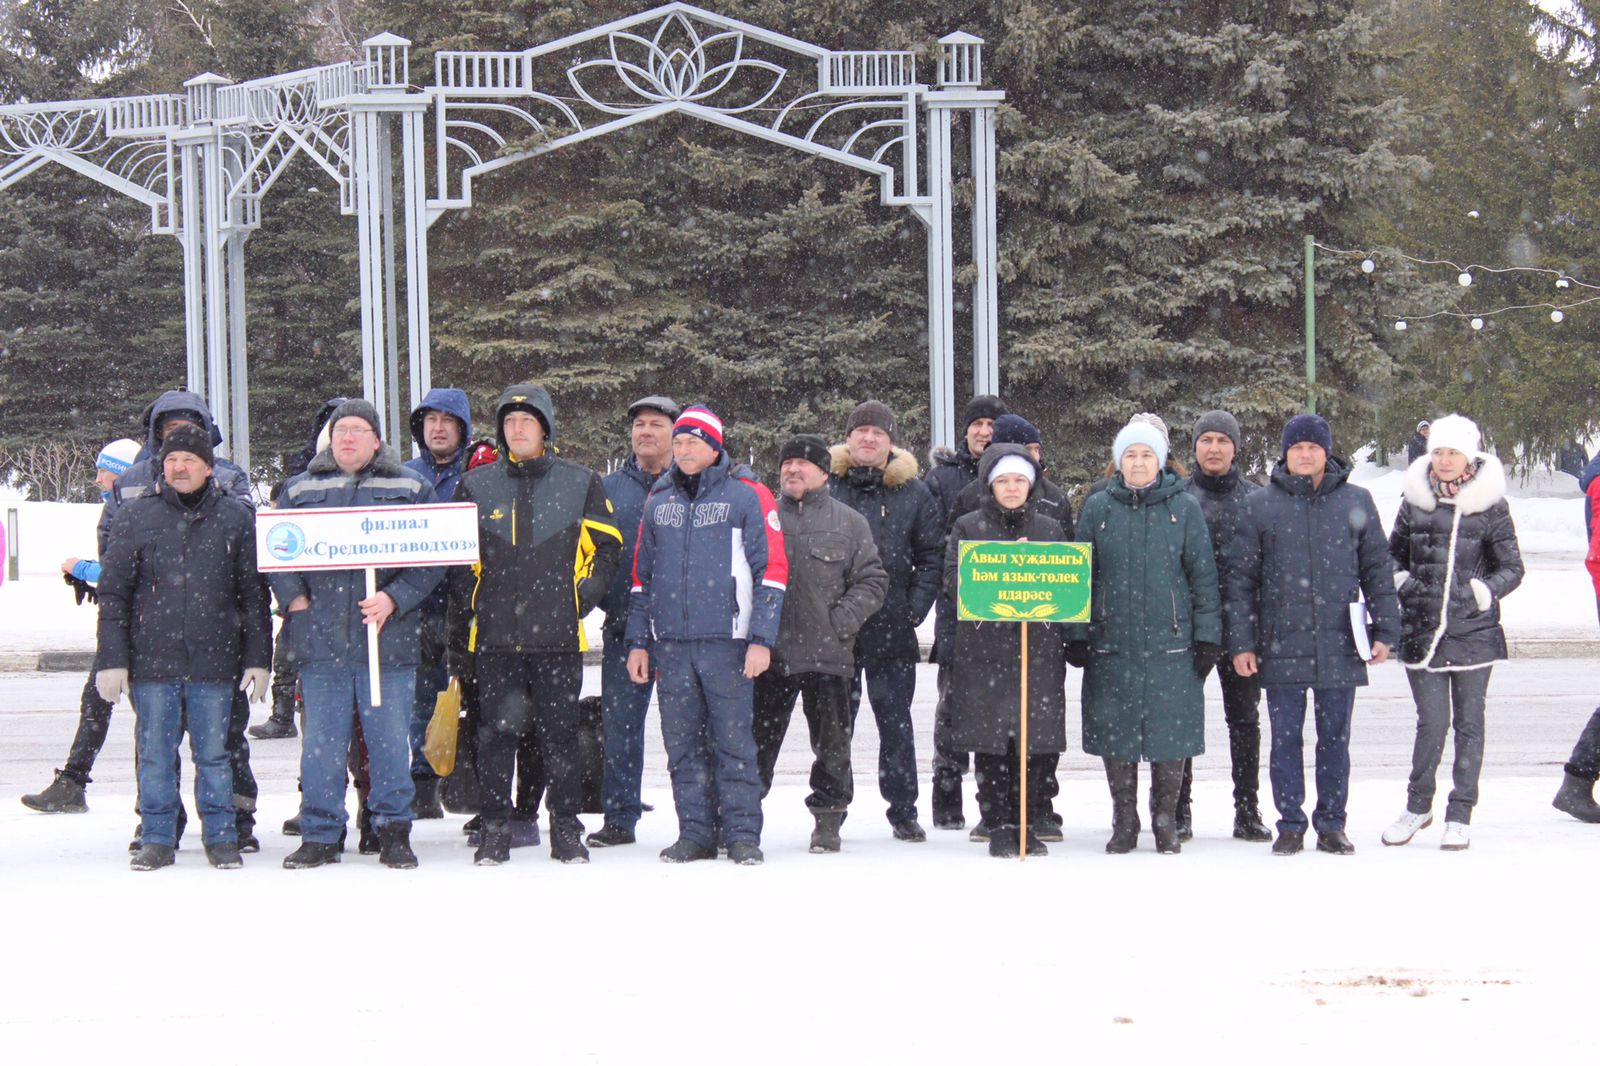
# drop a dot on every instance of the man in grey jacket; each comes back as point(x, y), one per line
point(836, 582)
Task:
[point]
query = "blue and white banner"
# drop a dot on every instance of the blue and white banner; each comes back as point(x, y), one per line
point(355, 538)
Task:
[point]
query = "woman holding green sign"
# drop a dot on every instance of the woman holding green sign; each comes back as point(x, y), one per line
point(1155, 631)
point(986, 667)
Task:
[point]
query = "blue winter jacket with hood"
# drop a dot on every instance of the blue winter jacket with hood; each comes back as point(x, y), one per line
point(145, 473)
point(442, 476)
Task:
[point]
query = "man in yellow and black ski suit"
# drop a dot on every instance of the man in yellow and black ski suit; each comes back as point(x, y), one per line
point(548, 547)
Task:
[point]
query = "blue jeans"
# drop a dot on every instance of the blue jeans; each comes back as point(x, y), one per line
point(707, 705)
point(1286, 707)
point(164, 708)
point(890, 684)
point(623, 707)
point(330, 689)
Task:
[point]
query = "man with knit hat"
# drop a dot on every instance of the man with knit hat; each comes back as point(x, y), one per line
point(836, 582)
point(953, 471)
point(1222, 493)
point(65, 794)
point(327, 612)
point(877, 479)
point(183, 627)
point(548, 545)
point(623, 702)
point(709, 575)
point(1307, 547)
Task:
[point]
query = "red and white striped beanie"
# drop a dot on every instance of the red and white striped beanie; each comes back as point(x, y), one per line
point(698, 421)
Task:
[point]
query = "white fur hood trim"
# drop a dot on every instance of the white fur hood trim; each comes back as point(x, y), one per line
point(1485, 490)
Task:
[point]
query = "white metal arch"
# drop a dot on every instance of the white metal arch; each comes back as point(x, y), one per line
point(204, 161)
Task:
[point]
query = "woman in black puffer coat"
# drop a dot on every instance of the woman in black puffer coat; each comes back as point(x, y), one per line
point(986, 657)
point(1456, 550)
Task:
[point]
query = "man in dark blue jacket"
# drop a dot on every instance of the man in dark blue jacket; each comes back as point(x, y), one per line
point(441, 426)
point(953, 471)
point(1307, 547)
point(166, 413)
point(878, 479)
point(709, 576)
point(183, 626)
point(328, 612)
point(623, 702)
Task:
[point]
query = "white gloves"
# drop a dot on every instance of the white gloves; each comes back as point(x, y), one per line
point(1481, 593)
point(254, 682)
point(111, 684)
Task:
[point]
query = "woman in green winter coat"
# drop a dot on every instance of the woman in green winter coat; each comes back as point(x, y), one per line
point(1155, 631)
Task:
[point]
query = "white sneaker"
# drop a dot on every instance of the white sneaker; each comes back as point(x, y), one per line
point(1405, 827)
point(1456, 837)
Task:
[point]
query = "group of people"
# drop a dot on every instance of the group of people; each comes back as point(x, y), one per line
point(732, 604)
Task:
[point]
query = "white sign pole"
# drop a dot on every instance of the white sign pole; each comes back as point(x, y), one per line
point(372, 644)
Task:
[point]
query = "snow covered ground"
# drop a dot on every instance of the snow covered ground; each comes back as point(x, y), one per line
point(887, 952)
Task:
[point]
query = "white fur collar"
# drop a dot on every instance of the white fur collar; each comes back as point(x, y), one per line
point(1481, 493)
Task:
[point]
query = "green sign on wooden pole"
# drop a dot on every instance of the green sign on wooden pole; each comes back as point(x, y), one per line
point(1023, 581)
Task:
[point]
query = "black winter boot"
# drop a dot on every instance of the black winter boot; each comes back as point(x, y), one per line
point(64, 795)
point(367, 843)
point(426, 803)
point(1005, 842)
point(566, 839)
point(1185, 811)
point(685, 850)
point(151, 857)
point(291, 826)
point(496, 847)
point(395, 846)
point(825, 837)
point(275, 728)
point(1247, 823)
point(309, 855)
point(1576, 797)
point(1123, 778)
point(1166, 778)
point(224, 856)
point(245, 824)
point(947, 809)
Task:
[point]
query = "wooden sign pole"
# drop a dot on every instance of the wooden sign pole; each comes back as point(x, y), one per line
point(372, 644)
point(1022, 755)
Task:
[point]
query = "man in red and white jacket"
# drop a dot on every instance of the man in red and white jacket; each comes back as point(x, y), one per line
point(709, 575)
point(1576, 796)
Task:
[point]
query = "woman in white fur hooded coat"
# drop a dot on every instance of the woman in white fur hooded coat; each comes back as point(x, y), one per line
point(1456, 552)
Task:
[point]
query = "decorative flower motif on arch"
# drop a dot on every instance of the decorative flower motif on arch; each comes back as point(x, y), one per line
point(676, 65)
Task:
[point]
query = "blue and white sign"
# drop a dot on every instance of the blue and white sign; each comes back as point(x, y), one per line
point(358, 538)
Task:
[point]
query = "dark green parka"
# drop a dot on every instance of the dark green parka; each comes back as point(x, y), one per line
point(1155, 596)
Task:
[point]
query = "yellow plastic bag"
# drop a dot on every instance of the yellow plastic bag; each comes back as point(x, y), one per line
point(440, 744)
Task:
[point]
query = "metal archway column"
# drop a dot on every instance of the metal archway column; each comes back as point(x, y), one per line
point(372, 174)
point(941, 282)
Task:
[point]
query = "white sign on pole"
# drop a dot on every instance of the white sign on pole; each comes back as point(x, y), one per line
point(366, 538)
point(354, 538)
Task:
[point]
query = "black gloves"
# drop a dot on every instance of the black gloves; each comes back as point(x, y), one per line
point(1206, 656)
point(1078, 653)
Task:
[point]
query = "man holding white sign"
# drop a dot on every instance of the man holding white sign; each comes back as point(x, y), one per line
point(328, 612)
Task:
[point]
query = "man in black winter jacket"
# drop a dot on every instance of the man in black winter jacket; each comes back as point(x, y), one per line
point(1308, 546)
point(183, 626)
point(1222, 492)
point(953, 471)
point(836, 583)
point(548, 546)
point(878, 479)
